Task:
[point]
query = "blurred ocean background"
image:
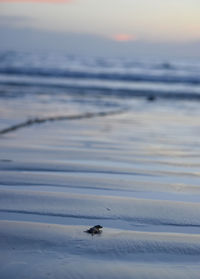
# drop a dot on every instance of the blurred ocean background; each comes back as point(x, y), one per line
point(34, 84)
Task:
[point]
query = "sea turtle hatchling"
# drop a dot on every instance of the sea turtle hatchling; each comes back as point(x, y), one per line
point(95, 230)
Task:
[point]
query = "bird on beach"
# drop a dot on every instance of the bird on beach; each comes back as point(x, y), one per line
point(95, 230)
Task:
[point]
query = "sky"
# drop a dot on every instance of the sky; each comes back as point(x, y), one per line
point(114, 25)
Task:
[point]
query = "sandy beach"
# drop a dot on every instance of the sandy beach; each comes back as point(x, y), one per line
point(134, 173)
point(88, 142)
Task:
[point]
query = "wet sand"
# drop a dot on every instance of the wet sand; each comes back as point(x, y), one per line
point(135, 173)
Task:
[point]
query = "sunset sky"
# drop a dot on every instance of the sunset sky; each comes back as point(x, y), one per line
point(121, 21)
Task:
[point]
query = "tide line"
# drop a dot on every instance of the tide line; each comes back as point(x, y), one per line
point(36, 120)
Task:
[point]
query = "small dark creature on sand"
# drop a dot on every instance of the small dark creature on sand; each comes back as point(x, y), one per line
point(95, 230)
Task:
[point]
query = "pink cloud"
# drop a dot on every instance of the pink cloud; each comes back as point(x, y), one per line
point(123, 37)
point(38, 1)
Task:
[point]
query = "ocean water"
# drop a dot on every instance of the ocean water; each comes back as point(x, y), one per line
point(42, 84)
point(92, 140)
point(39, 84)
